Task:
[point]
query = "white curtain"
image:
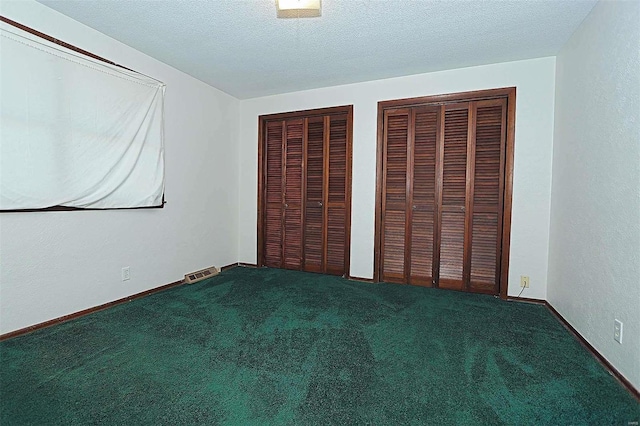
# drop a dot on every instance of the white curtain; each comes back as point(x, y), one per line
point(76, 131)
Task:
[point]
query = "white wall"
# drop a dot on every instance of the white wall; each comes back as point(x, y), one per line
point(594, 256)
point(534, 80)
point(56, 263)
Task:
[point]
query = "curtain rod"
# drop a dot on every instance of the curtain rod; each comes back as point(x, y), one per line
point(67, 45)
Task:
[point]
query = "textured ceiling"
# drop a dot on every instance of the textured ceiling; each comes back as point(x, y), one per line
point(240, 47)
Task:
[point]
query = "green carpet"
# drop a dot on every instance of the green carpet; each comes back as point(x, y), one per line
point(264, 346)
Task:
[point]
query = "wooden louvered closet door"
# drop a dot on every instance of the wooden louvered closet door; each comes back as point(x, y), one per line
point(487, 203)
point(424, 149)
point(442, 194)
point(314, 235)
point(305, 169)
point(337, 188)
point(453, 166)
point(274, 202)
point(292, 238)
point(394, 202)
point(409, 201)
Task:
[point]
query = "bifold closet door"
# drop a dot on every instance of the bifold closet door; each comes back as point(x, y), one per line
point(326, 195)
point(487, 189)
point(472, 196)
point(337, 194)
point(292, 236)
point(442, 194)
point(306, 195)
point(283, 210)
point(453, 196)
point(394, 199)
point(409, 190)
point(274, 201)
point(422, 216)
point(314, 228)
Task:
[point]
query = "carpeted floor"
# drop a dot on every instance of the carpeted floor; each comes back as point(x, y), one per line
point(264, 346)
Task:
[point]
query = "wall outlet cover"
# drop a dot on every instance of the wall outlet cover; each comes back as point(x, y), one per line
point(617, 331)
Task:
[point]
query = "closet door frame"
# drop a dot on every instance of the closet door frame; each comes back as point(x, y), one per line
point(508, 93)
point(262, 170)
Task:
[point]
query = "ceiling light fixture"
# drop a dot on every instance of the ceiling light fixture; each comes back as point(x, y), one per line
point(298, 8)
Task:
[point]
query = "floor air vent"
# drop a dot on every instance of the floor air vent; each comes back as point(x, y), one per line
point(194, 277)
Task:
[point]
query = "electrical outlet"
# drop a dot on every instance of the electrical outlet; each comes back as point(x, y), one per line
point(126, 274)
point(524, 281)
point(617, 331)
